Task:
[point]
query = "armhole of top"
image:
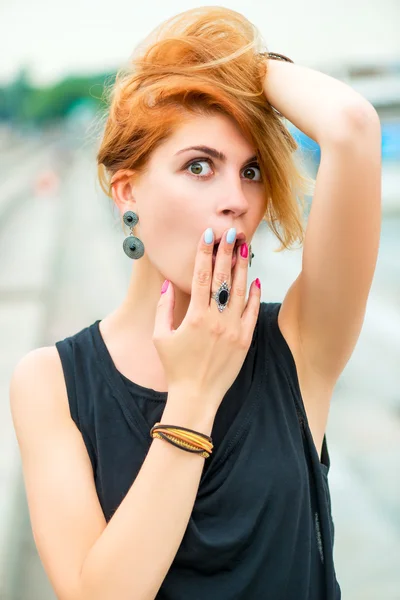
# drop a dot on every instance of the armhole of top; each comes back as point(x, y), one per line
point(69, 378)
point(280, 344)
point(325, 459)
point(69, 382)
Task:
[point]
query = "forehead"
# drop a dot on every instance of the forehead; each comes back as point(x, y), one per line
point(217, 130)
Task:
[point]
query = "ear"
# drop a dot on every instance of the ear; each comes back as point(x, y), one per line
point(122, 190)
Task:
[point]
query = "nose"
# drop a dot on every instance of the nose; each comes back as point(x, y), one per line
point(233, 201)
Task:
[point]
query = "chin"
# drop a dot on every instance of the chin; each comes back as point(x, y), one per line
point(181, 286)
point(180, 275)
point(184, 288)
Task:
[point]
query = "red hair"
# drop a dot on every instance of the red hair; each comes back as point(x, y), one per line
point(203, 61)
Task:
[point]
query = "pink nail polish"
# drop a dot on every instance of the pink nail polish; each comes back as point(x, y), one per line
point(164, 286)
point(258, 283)
point(244, 250)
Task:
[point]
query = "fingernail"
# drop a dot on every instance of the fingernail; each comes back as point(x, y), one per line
point(208, 236)
point(258, 283)
point(164, 286)
point(244, 250)
point(231, 235)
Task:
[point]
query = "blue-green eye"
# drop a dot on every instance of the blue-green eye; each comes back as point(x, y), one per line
point(198, 169)
point(250, 169)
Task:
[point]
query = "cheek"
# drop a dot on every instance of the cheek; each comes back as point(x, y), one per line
point(171, 222)
point(167, 204)
point(171, 249)
point(170, 230)
point(260, 206)
point(166, 221)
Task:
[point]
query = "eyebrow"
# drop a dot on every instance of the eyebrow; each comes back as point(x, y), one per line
point(214, 153)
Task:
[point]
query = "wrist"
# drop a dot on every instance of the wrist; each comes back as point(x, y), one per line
point(188, 410)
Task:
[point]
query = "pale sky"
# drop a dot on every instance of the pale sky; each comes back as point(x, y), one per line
point(55, 37)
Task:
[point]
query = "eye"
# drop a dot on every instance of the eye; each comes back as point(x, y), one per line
point(197, 169)
point(250, 169)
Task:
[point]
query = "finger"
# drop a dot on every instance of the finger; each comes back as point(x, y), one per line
point(239, 283)
point(250, 313)
point(223, 262)
point(201, 283)
point(164, 319)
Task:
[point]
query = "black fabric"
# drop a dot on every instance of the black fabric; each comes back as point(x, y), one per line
point(261, 526)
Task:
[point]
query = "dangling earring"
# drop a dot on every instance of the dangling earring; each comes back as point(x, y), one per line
point(132, 245)
point(251, 255)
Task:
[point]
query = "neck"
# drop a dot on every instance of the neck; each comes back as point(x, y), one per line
point(138, 310)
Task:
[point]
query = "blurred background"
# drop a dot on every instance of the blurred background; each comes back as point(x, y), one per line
point(62, 264)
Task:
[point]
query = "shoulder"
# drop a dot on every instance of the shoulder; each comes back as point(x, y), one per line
point(44, 365)
point(41, 361)
point(37, 385)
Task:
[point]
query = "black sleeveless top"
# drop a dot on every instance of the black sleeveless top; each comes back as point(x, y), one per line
point(261, 526)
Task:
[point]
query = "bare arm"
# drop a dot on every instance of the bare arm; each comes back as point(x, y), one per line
point(84, 557)
point(135, 552)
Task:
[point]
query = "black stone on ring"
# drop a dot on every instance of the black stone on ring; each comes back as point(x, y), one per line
point(221, 296)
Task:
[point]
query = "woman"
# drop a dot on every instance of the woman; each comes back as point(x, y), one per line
point(176, 448)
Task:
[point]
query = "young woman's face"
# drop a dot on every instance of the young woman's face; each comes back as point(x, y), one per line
point(184, 191)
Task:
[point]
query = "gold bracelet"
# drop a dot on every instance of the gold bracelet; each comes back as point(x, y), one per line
point(192, 438)
point(180, 444)
point(183, 437)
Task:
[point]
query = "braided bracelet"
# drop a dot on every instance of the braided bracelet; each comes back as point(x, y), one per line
point(277, 56)
point(180, 444)
point(184, 438)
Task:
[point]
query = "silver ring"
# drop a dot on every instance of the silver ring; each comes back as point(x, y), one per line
point(221, 296)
